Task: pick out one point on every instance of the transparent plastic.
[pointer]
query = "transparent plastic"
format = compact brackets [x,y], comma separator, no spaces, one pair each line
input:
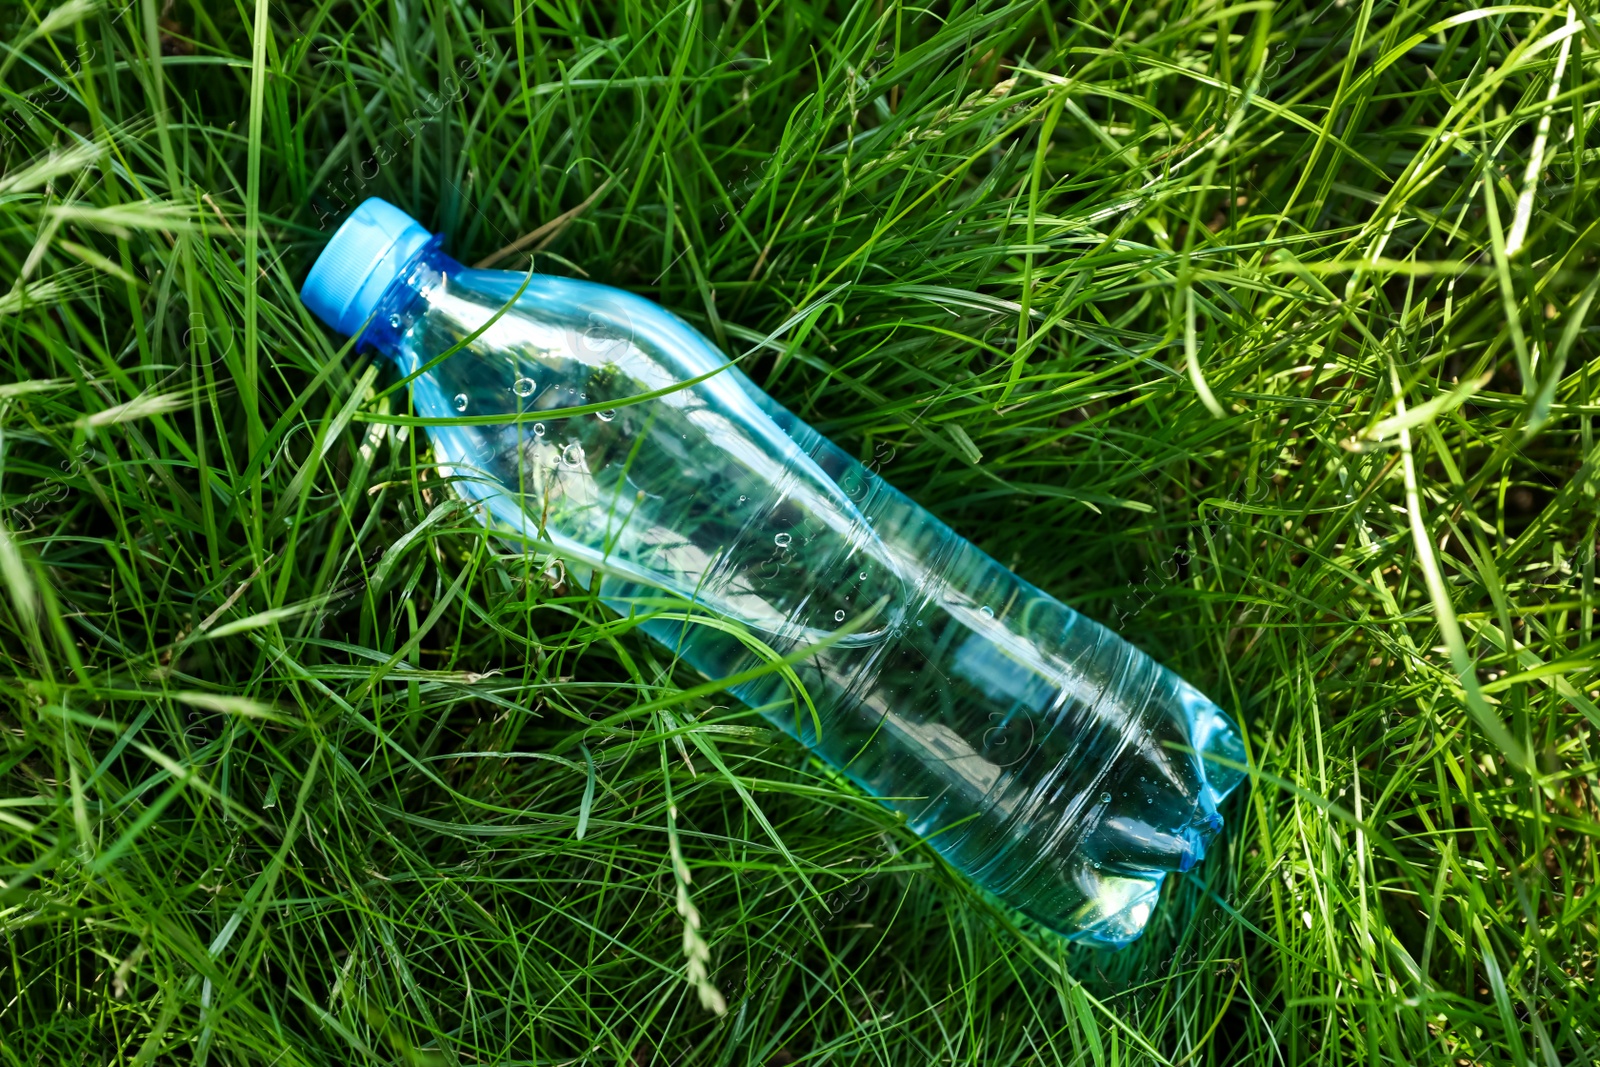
[1057,766]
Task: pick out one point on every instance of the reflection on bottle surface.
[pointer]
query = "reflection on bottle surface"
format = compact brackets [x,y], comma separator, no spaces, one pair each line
[1056,765]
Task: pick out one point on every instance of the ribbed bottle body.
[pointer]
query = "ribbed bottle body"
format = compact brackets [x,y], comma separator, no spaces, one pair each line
[1056,765]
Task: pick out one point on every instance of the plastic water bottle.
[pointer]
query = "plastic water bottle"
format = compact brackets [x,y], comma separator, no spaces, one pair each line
[1060,768]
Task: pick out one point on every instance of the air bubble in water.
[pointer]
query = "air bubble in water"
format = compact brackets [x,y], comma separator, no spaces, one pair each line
[986,611]
[1105,798]
[838,616]
[394,320]
[573,454]
[461,401]
[606,415]
[782,540]
[863,576]
[741,500]
[538,429]
[522,386]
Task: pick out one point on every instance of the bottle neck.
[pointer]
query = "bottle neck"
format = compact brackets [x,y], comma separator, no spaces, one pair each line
[408,296]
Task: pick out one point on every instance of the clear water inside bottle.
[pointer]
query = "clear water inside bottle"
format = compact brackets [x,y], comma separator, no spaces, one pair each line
[1056,765]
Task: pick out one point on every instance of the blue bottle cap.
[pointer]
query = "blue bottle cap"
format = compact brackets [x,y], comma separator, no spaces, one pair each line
[362,257]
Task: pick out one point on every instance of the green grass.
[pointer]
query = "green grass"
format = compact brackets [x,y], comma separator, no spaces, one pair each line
[1262,333]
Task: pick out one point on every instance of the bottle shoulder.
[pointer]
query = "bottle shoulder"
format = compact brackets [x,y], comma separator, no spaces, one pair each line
[564,294]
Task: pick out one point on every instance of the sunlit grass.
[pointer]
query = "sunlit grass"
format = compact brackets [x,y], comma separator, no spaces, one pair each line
[1260,333]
